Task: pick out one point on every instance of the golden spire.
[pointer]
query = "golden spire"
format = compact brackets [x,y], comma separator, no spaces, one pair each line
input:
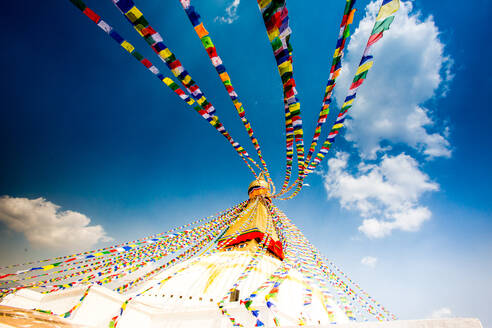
[259,187]
[253,223]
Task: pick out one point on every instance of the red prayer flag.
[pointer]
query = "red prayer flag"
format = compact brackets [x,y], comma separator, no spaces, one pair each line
[92,15]
[356,84]
[374,38]
[146,62]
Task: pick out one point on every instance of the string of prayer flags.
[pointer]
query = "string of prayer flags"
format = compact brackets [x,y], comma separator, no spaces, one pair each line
[199,103]
[76,306]
[383,21]
[362,291]
[289,149]
[343,35]
[276,19]
[156,42]
[217,62]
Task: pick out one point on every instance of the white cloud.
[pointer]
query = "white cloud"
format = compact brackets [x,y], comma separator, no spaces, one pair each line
[442,313]
[231,13]
[386,194]
[369,261]
[44,225]
[410,68]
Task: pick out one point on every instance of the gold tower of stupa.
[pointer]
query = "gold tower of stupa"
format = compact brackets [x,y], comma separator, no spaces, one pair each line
[249,230]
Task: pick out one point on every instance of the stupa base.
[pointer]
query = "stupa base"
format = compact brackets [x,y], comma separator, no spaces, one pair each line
[18,317]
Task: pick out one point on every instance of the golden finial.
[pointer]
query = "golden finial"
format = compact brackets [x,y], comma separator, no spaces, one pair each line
[259,187]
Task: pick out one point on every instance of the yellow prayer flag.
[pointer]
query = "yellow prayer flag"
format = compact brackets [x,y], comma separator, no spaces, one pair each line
[127,46]
[133,14]
[285,67]
[139,28]
[48,267]
[273,34]
[165,53]
[201,100]
[364,67]
[264,3]
[347,103]
[187,79]
[295,106]
[168,81]
[337,126]
[388,9]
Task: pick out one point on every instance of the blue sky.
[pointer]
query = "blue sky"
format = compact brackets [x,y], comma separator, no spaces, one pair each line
[85,127]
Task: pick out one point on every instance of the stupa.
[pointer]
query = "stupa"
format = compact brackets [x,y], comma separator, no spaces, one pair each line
[253,273]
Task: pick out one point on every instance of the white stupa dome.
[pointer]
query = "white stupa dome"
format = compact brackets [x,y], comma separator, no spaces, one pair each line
[201,283]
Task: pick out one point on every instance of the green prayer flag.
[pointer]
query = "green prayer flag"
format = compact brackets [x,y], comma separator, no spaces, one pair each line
[286,76]
[276,44]
[174,86]
[336,60]
[141,21]
[346,33]
[295,112]
[383,25]
[362,75]
[170,59]
[207,42]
